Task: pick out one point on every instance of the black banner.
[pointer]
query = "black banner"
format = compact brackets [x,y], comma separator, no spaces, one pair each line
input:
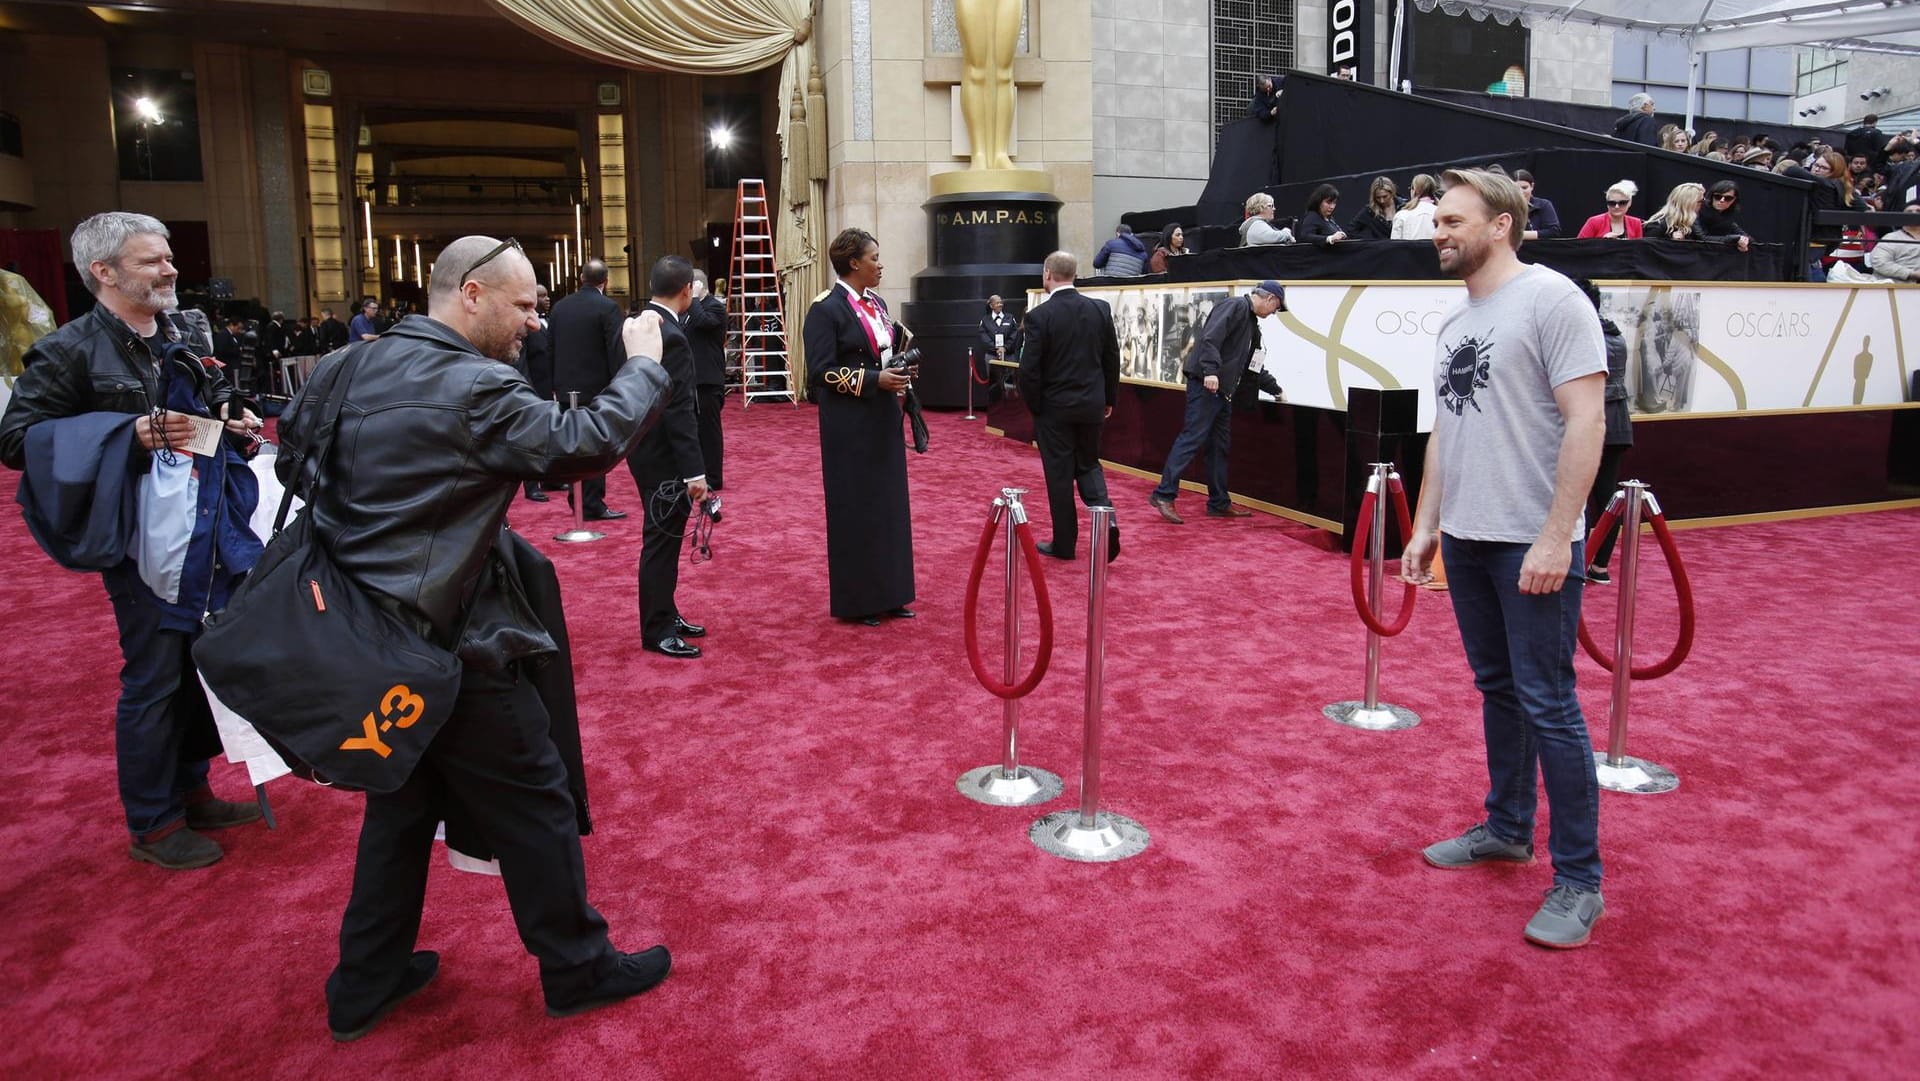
[1350,39]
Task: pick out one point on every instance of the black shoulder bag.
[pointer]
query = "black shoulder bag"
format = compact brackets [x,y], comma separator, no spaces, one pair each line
[347,692]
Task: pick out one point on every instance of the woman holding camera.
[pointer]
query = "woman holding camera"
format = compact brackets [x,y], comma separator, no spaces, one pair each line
[851,343]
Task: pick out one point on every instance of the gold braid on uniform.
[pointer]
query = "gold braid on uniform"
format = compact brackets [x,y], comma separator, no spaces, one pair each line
[846,380]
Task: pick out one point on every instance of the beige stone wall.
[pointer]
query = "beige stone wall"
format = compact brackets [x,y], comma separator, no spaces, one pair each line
[891,120]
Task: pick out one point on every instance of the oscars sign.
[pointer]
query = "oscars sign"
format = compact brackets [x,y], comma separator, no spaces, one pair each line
[1350,39]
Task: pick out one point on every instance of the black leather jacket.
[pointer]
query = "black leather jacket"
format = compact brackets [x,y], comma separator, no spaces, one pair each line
[434,441]
[97,364]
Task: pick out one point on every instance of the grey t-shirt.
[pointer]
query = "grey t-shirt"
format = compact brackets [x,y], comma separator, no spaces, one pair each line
[1500,357]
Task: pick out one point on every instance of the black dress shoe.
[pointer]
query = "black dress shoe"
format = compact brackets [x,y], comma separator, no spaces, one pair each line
[1113,541]
[1231,512]
[420,970]
[637,972]
[1045,548]
[688,630]
[673,646]
[605,514]
[535,495]
[902,612]
[219,814]
[868,621]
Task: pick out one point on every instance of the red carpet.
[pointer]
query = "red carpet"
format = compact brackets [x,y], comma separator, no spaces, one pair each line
[782,813]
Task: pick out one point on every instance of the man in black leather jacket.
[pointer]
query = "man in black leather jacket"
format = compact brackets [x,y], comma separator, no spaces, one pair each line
[134,354]
[437,433]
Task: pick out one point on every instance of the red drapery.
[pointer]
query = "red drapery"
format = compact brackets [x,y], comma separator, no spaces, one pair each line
[34,254]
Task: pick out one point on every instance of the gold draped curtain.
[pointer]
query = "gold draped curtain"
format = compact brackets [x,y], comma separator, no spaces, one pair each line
[724,37]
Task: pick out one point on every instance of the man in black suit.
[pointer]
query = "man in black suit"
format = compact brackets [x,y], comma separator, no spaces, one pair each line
[668,471]
[331,333]
[1070,378]
[1214,369]
[302,343]
[706,327]
[536,363]
[585,331]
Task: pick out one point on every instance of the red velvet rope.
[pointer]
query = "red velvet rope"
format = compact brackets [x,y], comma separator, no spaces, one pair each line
[1359,562]
[977,377]
[1681,586]
[1038,577]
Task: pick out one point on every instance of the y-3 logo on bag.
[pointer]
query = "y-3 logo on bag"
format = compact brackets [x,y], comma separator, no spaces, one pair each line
[399,708]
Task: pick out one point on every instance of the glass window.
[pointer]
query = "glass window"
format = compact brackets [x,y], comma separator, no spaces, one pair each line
[1457,53]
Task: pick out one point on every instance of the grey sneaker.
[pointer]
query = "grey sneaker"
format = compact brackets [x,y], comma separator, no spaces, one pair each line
[1475,846]
[1565,920]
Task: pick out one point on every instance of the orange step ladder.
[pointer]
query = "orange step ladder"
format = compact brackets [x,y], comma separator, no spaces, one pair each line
[756,325]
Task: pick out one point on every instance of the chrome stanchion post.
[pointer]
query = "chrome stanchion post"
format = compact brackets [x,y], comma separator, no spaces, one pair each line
[1088,834]
[579,534]
[1010,784]
[1371,714]
[1618,771]
[970,358]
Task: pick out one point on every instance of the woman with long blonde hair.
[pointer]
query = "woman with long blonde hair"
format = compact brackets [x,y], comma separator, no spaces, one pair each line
[1680,218]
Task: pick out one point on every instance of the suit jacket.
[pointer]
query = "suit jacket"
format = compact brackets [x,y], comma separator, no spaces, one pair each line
[706,327]
[332,334]
[536,361]
[1070,362]
[1004,325]
[1226,344]
[671,449]
[586,343]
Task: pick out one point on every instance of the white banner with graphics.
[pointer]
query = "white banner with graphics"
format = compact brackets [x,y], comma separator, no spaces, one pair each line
[1692,347]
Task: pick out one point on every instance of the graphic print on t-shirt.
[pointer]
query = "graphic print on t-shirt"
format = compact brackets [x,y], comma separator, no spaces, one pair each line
[1468,365]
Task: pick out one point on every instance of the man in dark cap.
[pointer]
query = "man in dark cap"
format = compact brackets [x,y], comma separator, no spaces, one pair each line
[1214,369]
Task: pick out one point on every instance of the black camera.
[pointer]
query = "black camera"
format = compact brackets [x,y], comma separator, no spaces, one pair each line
[908,359]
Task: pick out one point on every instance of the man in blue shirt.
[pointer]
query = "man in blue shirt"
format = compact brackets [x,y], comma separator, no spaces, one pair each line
[363,328]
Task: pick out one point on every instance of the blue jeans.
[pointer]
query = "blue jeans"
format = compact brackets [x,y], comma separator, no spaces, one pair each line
[1520,647]
[1209,423]
[149,731]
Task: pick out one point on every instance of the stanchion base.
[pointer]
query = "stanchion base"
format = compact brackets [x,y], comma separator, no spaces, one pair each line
[1630,774]
[1113,837]
[1381,718]
[1025,786]
[578,536]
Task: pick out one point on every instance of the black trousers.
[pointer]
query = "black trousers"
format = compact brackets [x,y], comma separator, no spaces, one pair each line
[1070,455]
[661,540]
[1605,481]
[712,399]
[495,758]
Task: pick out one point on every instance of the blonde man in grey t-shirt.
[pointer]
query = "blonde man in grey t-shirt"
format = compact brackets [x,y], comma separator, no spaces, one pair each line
[1521,381]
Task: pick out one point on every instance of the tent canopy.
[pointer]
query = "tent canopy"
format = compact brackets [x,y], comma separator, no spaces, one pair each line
[1713,25]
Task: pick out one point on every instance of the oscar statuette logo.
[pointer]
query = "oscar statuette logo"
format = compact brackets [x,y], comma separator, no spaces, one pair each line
[399,708]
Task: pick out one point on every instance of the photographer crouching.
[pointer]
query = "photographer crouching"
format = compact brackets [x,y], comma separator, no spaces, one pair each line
[436,434]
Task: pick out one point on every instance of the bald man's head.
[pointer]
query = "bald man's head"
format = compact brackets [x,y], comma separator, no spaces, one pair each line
[484,290]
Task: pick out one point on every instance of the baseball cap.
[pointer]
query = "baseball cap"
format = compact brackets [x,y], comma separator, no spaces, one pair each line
[1272,289]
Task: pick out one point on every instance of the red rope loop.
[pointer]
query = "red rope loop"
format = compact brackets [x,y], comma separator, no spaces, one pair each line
[975,371]
[1678,571]
[1359,562]
[1034,573]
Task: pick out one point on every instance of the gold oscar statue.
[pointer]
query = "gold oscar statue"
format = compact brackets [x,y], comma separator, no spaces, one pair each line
[989,30]
[989,34]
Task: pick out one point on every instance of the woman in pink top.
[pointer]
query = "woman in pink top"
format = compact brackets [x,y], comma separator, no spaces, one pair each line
[1616,222]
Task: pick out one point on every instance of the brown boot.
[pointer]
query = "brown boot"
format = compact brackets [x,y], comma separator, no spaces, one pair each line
[176,848]
[205,812]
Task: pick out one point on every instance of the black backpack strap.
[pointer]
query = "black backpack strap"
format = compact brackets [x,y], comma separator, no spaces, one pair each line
[308,462]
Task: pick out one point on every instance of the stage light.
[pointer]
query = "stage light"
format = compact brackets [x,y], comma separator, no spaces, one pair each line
[720,136]
[149,110]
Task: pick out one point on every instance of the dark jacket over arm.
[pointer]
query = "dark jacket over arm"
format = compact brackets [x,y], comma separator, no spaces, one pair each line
[1543,219]
[1226,344]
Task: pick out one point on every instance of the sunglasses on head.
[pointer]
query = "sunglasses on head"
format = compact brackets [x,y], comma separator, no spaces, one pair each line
[490,256]
[1617,202]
